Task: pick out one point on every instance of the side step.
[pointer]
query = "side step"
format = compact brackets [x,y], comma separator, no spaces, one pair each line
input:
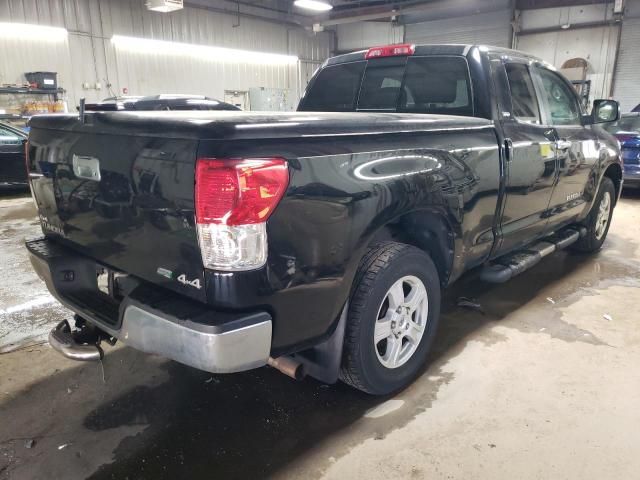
[507,267]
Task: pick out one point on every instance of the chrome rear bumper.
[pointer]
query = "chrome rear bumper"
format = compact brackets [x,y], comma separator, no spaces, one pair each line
[201,346]
[150,318]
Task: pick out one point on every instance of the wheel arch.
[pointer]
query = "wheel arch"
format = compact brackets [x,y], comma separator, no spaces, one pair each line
[430,231]
[614,172]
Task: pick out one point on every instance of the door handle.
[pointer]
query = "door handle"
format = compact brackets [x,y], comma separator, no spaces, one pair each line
[563,144]
[508,149]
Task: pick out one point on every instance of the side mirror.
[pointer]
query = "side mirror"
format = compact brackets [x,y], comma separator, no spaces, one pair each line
[605,111]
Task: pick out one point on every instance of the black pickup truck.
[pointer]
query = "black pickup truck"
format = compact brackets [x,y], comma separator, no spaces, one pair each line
[319,241]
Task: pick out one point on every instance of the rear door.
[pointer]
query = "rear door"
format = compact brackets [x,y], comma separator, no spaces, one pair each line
[576,145]
[12,167]
[531,162]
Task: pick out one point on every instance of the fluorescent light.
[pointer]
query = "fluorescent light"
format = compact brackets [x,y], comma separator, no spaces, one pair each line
[147,45]
[316,5]
[164,6]
[32,32]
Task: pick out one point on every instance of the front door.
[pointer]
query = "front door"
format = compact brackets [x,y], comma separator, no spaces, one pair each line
[576,145]
[12,164]
[531,165]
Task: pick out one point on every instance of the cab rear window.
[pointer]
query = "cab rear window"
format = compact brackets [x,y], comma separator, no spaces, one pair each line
[431,84]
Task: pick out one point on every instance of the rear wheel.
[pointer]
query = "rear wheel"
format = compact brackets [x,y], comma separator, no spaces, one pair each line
[393,316]
[599,219]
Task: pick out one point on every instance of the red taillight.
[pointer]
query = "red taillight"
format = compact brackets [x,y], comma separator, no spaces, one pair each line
[238,192]
[390,51]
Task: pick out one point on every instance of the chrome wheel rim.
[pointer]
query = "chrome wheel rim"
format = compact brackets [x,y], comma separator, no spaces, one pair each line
[401,321]
[602,219]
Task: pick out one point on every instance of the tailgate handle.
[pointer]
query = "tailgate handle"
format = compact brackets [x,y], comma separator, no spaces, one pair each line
[86,167]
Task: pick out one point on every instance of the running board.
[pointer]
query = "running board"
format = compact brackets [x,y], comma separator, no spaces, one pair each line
[507,267]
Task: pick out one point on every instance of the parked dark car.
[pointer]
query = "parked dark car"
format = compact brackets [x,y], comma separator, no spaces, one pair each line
[627,131]
[161,102]
[13,172]
[318,241]
[637,108]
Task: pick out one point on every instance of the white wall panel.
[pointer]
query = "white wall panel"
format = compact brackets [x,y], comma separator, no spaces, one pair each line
[18,56]
[555,17]
[597,45]
[361,35]
[88,56]
[491,28]
[166,73]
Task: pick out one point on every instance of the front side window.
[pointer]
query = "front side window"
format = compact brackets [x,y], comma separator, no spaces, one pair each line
[560,99]
[524,103]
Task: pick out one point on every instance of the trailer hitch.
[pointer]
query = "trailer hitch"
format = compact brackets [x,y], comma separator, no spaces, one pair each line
[81,343]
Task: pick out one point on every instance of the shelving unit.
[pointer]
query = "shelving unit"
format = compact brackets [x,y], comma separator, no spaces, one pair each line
[32,91]
[12,96]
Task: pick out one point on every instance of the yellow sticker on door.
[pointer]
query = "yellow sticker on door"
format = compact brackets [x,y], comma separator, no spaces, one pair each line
[545,150]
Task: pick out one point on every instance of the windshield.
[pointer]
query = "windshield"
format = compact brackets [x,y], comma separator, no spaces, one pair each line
[432,84]
[626,124]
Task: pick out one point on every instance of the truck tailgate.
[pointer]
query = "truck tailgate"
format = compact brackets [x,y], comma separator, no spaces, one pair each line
[124,200]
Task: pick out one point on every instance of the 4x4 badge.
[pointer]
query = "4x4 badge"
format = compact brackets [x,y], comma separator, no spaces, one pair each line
[191,283]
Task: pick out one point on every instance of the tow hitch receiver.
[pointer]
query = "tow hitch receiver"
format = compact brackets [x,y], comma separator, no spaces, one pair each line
[82,343]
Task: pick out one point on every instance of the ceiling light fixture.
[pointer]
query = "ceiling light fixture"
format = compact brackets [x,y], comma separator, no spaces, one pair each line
[32,32]
[315,5]
[162,47]
[164,6]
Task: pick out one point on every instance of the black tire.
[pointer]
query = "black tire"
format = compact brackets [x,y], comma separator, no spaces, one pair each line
[590,242]
[382,266]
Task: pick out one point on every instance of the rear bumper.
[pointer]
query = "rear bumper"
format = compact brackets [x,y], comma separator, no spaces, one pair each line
[152,319]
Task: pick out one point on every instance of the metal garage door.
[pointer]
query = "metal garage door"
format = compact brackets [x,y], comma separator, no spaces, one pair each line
[627,86]
[491,28]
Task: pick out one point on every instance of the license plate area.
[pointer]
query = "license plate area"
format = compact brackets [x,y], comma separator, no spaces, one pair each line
[113,283]
[105,280]
[86,167]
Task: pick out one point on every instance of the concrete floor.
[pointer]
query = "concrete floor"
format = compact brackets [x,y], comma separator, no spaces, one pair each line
[544,383]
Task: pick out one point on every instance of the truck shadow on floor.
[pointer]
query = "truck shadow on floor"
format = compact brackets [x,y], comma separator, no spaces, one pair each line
[248,425]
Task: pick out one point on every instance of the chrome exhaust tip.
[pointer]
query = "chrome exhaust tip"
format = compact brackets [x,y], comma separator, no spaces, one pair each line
[287,365]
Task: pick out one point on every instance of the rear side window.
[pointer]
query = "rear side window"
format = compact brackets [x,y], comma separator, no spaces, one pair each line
[335,89]
[523,96]
[436,84]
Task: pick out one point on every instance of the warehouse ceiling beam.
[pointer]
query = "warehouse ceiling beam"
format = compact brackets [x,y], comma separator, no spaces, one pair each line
[436,7]
[563,28]
[244,9]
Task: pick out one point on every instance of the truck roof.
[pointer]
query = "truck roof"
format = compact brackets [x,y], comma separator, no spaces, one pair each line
[437,49]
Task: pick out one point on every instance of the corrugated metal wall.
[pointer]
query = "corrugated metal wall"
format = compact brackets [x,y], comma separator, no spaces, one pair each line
[597,45]
[88,55]
[627,75]
[492,28]
[361,35]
